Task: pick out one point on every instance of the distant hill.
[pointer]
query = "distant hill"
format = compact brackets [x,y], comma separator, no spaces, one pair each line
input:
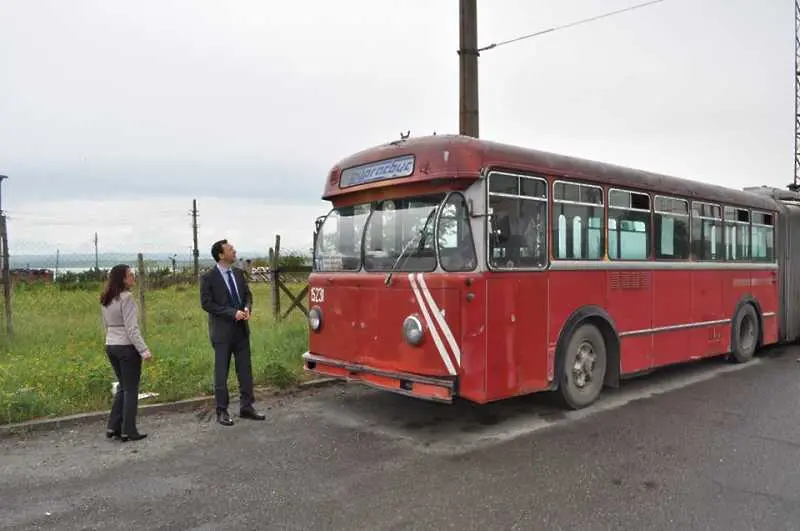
[105,260]
[108,260]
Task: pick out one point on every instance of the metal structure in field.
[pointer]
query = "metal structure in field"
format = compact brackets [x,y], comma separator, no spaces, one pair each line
[795,185]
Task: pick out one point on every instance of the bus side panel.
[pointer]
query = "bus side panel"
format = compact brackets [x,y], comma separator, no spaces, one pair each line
[672,292]
[737,286]
[629,304]
[472,381]
[516,361]
[764,287]
[381,323]
[707,306]
[339,339]
[569,291]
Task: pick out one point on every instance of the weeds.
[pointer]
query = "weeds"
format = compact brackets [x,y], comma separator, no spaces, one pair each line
[56,363]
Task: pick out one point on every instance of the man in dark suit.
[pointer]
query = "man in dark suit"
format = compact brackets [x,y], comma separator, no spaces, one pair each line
[226,297]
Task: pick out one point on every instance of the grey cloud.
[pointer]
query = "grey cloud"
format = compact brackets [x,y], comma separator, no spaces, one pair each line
[259,99]
[270,182]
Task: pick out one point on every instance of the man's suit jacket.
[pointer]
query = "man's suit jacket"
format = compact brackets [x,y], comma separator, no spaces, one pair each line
[216,300]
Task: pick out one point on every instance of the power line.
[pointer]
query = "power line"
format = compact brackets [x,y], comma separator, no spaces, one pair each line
[570,25]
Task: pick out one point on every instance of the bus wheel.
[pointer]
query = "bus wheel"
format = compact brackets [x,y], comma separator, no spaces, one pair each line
[745,334]
[584,367]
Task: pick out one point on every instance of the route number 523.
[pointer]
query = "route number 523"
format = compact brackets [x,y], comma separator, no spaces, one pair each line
[317,295]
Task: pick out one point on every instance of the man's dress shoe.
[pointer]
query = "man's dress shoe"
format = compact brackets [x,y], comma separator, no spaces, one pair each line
[224,419]
[251,414]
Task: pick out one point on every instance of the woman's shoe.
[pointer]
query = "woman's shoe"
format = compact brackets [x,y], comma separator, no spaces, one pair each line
[136,437]
[112,433]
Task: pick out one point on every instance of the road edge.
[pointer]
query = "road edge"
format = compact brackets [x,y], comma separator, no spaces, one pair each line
[8,430]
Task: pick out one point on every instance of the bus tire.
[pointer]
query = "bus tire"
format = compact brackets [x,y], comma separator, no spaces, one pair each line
[745,334]
[584,367]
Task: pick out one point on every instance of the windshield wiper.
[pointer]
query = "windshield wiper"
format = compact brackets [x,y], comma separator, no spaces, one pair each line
[414,239]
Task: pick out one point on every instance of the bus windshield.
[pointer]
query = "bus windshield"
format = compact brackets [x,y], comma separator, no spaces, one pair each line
[398,235]
[338,244]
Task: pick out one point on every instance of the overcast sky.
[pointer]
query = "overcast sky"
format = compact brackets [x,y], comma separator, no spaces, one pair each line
[115,115]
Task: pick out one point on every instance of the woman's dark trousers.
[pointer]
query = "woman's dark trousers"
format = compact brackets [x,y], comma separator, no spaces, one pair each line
[127,364]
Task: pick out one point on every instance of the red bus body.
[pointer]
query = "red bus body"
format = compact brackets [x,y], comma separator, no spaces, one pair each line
[493,333]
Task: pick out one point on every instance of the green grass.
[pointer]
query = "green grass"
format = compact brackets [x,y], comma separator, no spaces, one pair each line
[56,363]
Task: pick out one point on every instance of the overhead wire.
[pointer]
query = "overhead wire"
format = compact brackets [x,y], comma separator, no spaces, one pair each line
[570,25]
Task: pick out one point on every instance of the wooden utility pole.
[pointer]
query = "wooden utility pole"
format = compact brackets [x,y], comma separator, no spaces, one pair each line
[275,260]
[6,274]
[468,68]
[142,284]
[195,251]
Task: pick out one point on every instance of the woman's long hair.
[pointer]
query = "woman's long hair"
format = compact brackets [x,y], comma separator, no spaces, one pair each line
[115,284]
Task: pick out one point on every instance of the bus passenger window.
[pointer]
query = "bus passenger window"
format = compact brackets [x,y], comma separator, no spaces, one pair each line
[562,236]
[671,223]
[578,230]
[518,223]
[763,236]
[667,237]
[706,231]
[629,226]
[737,234]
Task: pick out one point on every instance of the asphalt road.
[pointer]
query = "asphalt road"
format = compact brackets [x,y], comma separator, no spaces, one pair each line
[706,446]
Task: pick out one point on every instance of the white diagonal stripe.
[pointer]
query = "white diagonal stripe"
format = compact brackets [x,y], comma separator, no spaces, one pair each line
[436,339]
[437,314]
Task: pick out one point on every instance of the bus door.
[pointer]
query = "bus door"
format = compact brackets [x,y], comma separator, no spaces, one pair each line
[517,285]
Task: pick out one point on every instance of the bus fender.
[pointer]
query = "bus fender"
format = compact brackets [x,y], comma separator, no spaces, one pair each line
[600,318]
[749,299]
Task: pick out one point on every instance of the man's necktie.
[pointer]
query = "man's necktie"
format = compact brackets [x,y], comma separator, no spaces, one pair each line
[234,295]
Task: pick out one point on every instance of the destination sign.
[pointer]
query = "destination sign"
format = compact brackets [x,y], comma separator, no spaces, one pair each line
[378,171]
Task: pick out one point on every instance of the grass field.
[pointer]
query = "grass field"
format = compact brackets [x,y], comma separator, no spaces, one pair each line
[56,363]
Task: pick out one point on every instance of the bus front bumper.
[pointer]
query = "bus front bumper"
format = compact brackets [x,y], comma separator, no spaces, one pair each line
[414,385]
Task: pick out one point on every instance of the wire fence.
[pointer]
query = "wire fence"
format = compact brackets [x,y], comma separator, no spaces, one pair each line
[53,361]
[159,271]
[81,265]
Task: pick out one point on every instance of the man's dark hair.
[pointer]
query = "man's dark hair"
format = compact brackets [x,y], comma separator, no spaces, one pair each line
[216,249]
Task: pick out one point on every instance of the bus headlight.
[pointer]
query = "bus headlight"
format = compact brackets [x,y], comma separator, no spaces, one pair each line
[315,318]
[412,330]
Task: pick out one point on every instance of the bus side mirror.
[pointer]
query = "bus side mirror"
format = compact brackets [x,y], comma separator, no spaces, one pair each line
[471,211]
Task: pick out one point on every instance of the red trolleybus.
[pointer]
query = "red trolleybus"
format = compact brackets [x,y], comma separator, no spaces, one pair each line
[451,266]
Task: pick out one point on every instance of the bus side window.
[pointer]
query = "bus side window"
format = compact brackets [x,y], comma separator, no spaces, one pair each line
[707,231]
[737,234]
[578,229]
[518,238]
[763,237]
[671,223]
[629,225]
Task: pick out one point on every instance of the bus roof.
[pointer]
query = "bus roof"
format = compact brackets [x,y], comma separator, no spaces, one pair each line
[455,157]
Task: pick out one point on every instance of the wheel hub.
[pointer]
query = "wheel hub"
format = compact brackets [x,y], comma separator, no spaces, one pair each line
[583,365]
[747,333]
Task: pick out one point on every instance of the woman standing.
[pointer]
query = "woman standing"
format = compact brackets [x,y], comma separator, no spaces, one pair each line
[125,349]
